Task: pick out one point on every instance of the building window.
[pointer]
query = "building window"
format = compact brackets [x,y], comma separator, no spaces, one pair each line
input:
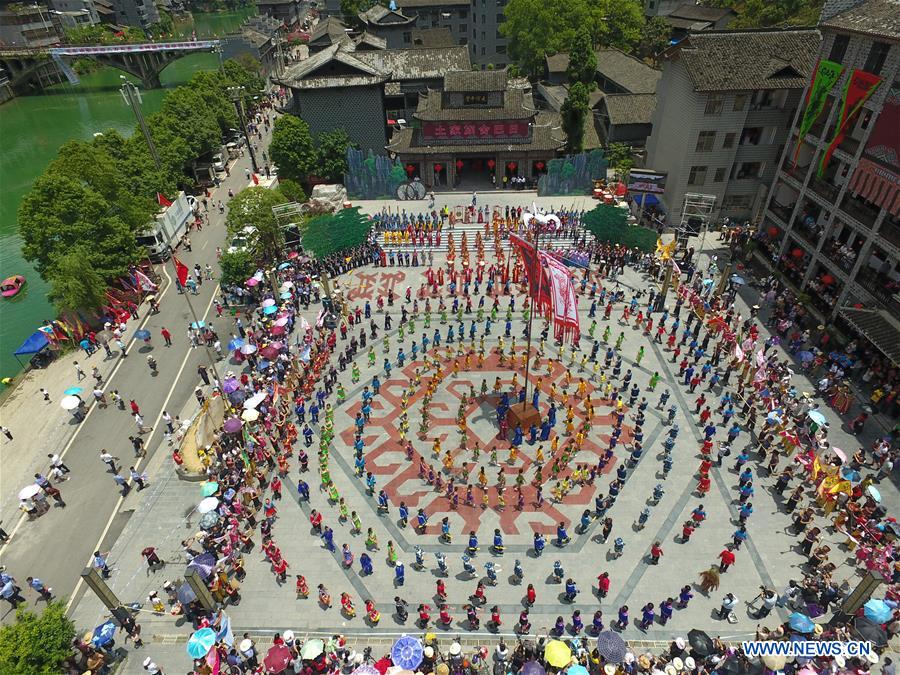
[749,170]
[474,18]
[740,102]
[714,105]
[877,54]
[464,14]
[407,37]
[697,175]
[482,51]
[501,49]
[729,140]
[720,175]
[463,41]
[499,34]
[705,141]
[839,48]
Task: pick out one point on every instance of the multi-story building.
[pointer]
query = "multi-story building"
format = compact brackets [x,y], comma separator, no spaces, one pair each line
[27,26]
[137,13]
[725,102]
[832,224]
[75,13]
[292,13]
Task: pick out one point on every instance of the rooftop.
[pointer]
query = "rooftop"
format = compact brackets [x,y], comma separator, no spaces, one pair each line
[330,27]
[255,37]
[882,329]
[367,40]
[517,104]
[615,65]
[630,108]
[694,12]
[740,60]
[475,80]
[880,18]
[381,15]
[414,64]
[414,4]
[432,37]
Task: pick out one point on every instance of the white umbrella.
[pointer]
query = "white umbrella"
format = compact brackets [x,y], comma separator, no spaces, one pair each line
[250,415]
[70,402]
[281,321]
[255,400]
[248,349]
[207,505]
[268,302]
[29,491]
[286,285]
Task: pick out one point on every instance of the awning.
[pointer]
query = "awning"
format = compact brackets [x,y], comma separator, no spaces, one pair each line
[652,199]
[35,343]
[877,326]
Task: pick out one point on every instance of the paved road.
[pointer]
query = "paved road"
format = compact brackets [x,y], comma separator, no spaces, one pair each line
[57,546]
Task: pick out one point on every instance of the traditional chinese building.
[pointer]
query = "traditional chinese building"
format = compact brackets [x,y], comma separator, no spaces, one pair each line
[480,125]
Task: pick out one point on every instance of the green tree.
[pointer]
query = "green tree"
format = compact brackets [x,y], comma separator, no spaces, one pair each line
[574,112]
[331,151]
[610,223]
[243,71]
[291,190]
[292,148]
[536,28]
[619,157]
[582,60]
[60,213]
[236,267]
[253,206]
[350,9]
[654,39]
[36,643]
[336,232]
[74,283]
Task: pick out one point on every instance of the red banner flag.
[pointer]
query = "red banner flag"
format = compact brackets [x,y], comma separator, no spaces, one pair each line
[181,271]
[160,197]
[255,179]
[860,86]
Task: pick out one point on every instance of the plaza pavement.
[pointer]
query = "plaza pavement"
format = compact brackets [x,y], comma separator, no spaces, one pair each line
[163,517]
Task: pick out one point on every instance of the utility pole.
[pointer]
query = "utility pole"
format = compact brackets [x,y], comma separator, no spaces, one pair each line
[133,98]
[237,94]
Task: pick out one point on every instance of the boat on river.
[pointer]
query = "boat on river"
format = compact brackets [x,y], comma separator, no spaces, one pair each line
[11,286]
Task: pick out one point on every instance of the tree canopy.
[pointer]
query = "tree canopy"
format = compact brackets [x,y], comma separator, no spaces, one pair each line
[327,234]
[36,643]
[236,267]
[582,60]
[536,28]
[253,206]
[765,13]
[610,223]
[331,154]
[292,148]
[575,111]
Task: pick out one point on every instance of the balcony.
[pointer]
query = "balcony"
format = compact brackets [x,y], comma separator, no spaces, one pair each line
[781,212]
[881,290]
[849,145]
[890,231]
[862,212]
[825,190]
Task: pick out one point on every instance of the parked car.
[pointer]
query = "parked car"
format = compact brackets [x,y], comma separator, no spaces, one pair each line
[218,162]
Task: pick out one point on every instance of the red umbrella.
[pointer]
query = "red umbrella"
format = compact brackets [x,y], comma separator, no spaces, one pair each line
[277,659]
[277,330]
[293,254]
[381,665]
[268,352]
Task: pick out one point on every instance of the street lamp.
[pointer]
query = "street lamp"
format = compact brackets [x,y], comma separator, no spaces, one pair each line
[237,95]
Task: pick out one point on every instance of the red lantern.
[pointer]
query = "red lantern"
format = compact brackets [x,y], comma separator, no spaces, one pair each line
[539,166]
[797,253]
[512,166]
[459,165]
[827,279]
[773,232]
[409,169]
[438,167]
[491,164]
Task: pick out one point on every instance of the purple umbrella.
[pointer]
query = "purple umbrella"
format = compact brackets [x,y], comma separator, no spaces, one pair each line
[230,385]
[232,425]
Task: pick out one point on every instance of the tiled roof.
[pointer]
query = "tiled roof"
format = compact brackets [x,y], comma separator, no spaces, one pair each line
[516,105]
[738,60]
[415,4]
[377,13]
[255,37]
[475,80]
[880,18]
[330,27]
[432,37]
[700,13]
[547,134]
[370,40]
[415,64]
[615,65]
[687,24]
[879,327]
[630,108]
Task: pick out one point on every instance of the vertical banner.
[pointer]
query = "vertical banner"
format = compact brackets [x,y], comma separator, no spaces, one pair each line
[860,86]
[823,79]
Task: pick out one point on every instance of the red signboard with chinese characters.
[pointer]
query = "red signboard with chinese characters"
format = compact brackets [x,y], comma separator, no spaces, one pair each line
[497,131]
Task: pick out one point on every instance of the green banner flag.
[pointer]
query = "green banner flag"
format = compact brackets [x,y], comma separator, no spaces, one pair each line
[824,78]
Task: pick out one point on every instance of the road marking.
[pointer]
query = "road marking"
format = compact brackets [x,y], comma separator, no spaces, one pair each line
[118,505]
[94,405]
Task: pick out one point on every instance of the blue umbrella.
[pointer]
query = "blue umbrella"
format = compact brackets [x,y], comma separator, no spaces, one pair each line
[71,391]
[271,309]
[850,474]
[738,281]
[285,296]
[284,266]
[801,622]
[407,652]
[817,417]
[142,334]
[611,646]
[196,325]
[877,611]
[201,642]
[535,668]
[805,356]
[577,669]
[237,343]
[262,365]
[103,634]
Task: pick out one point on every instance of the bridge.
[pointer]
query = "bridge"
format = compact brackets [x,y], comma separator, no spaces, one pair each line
[144,60]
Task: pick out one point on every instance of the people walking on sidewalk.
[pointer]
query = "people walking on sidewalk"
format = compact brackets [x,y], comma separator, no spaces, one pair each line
[109,460]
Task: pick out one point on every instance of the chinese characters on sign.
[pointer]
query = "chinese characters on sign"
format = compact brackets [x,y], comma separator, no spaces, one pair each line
[501,130]
[475,99]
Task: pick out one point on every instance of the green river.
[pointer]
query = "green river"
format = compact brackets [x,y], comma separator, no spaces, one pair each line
[32,128]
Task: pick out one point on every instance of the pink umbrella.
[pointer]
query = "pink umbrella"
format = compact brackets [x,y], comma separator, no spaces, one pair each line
[840,453]
[293,254]
[268,302]
[277,659]
[268,352]
[278,344]
[277,330]
[282,321]
[252,281]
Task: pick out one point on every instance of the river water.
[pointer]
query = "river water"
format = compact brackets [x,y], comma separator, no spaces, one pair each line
[32,128]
